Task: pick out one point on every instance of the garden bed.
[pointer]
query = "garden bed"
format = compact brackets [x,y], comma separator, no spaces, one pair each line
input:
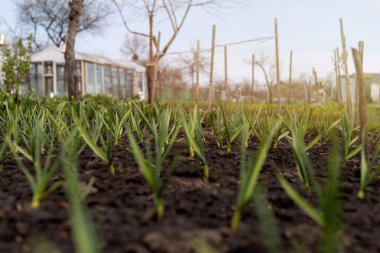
[123,213]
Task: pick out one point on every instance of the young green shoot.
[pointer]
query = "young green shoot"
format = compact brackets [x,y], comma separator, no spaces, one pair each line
[150,166]
[135,123]
[104,152]
[367,174]
[249,173]
[349,138]
[311,211]
[254,123]
[329,216]
[269,229]
[298,128]
[83,232]
[163,119]
[115,124]
[214,119]
[44,170]
[232,129]
[7,133]
[194,134]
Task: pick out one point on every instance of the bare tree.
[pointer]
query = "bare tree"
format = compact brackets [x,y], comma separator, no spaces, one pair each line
[155,11]
[14,32]
[62,21]
[188,63]
[52,17]
[268,68]
[134,48]
[76,7]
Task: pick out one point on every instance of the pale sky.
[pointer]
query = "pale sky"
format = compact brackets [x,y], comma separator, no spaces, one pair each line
[308,27]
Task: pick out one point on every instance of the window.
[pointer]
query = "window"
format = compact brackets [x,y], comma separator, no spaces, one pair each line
[61,80]
[48,68]
[140,81]
[79,75]
[130,84]
[32,76]
[79,67]
[107,80]
[49,86]
[32,69]
[91,89]
[38,79]
[35,78]
[99,78]
[115,82]
[122,83]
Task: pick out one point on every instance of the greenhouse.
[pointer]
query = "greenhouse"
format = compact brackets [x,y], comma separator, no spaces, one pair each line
[95,75]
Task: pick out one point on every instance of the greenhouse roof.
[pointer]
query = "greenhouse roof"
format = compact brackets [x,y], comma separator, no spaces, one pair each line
[57,55]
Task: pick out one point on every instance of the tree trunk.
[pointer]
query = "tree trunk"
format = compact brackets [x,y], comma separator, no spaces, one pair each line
[74,17]
[150,74]
[270,94]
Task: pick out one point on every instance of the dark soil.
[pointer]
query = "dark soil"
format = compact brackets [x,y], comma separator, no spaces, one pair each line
[122,209]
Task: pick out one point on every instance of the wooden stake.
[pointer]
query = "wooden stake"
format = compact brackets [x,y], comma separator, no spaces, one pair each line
[290,74]
[209,104]
[345,65]
[361,53]
[225,71]
[277,62]
[197,71]
[253,77]
[337,75]
[362,110]
[307,92]
[156,61]
[315,75]
[357,95]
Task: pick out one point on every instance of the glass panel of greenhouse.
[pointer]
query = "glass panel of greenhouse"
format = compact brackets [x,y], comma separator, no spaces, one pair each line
[123,84]
[130,83]
[99,78]
[115,82]
[94,75]
[61,81]
[35,78]
[107,80]
[91,89]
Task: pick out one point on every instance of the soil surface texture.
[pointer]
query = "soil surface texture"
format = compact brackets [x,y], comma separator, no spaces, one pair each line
[122,209]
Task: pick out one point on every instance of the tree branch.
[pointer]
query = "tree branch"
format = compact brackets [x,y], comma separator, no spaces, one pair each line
[171,40]
[125,22]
